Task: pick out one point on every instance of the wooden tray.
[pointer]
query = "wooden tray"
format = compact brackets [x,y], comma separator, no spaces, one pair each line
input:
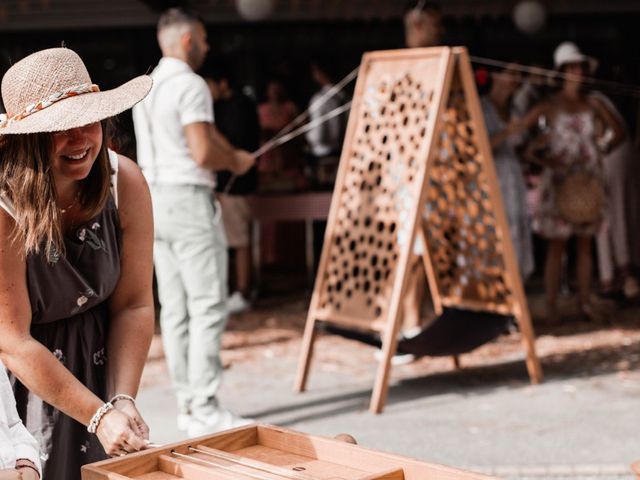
[265,452]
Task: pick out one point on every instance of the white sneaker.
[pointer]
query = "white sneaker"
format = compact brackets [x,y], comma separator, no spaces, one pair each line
[183,421]
[220,420]
[397,359]
[236,303]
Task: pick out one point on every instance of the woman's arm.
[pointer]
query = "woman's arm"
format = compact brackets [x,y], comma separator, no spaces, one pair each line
[131,305]
[530,120]
[35,366]
[610,122]
[512,129]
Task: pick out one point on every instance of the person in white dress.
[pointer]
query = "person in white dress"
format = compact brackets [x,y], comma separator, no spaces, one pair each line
[19,454]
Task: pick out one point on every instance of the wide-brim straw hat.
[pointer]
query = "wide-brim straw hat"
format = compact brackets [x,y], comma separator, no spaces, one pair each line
[51,91]
[568,52]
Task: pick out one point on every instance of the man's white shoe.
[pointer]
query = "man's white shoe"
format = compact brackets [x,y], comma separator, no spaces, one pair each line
[183,421]
[220,420]
[236,303]
[397,358]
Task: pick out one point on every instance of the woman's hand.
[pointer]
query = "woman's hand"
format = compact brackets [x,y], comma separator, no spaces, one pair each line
[27,469]
[26,474]
[11,474]
[129,408]
[243,161]
[118,435]
[538,152]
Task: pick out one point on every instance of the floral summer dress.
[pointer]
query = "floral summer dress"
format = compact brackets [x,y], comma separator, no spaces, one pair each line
[69,302]
[572,141]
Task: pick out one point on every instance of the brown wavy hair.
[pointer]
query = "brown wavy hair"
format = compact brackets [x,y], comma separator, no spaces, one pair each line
[27,181]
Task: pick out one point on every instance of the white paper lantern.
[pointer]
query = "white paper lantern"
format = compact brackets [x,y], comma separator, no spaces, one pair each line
[254,9]
[529,16]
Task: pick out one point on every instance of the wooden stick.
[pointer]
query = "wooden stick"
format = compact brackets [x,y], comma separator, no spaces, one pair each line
[252,464]
[430,272]
[189,458]
[306,349]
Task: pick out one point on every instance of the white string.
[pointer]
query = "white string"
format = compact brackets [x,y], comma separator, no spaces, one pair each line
[300,118]
[622,88]
[285,134]
[319,102]
[305,128]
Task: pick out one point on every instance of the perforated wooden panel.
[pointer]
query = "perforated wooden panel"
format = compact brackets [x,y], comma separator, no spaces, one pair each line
[380,181]
[416,151]
[464,237]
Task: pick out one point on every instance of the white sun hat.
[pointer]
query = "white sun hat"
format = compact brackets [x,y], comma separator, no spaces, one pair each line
[568,52]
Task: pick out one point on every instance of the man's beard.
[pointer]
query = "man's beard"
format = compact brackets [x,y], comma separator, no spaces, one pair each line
[196,58]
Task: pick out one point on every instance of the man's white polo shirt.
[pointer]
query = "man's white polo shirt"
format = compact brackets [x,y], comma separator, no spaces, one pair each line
[178,97]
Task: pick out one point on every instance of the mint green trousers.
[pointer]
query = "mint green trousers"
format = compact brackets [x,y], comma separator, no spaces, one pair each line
[190,257]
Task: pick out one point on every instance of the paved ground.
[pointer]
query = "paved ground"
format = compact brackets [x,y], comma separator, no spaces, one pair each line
[582,422]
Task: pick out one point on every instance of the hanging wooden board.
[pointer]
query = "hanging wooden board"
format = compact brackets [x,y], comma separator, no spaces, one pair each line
[416,163]
[265,452]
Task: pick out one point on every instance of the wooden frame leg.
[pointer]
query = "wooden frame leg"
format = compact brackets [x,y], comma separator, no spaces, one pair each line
[308,250]
[381,385]
[528,342]
[306,353]
[255,252]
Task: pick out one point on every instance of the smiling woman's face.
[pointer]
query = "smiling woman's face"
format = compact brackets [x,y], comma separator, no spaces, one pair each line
[74,151]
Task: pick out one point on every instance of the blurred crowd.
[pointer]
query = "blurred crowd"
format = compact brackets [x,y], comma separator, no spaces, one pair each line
[80,234]
[564,160]
[563,154]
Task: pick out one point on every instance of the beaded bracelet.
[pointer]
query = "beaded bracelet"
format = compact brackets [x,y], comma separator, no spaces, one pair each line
[95,420]
[122,396]
[26,463]
[29,466]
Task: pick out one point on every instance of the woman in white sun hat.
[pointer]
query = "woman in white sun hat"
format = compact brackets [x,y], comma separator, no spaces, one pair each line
[76,308]
[572,196]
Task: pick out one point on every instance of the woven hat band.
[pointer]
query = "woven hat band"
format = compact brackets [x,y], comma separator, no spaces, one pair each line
[32,108]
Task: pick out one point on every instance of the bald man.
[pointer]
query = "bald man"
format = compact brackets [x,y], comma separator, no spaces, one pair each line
[179,149]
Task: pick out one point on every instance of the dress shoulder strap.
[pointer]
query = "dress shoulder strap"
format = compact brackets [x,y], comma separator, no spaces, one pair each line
[7,205]
[113,160]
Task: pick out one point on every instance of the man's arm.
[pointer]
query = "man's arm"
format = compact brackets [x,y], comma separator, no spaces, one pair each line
[211,150]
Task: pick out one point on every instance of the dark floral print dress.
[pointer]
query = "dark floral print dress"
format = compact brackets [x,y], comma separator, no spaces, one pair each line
[70,316]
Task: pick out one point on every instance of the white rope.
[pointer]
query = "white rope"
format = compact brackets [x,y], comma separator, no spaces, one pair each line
[621,88]
[319,102]
[273,143]
[285,134]
[299,131]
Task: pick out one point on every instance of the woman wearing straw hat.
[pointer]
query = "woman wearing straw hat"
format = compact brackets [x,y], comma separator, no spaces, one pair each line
[76,308]
[572,196]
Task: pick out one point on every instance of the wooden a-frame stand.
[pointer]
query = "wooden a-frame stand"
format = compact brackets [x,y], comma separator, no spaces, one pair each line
[416,163]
